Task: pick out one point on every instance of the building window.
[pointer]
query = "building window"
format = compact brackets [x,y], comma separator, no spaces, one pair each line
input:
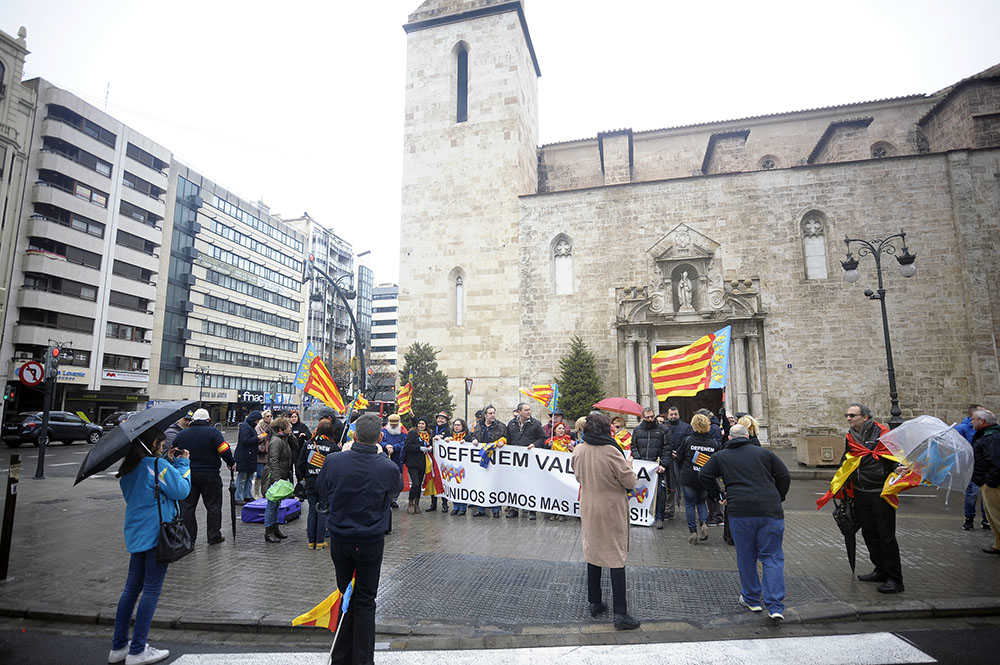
[768,162]
[562,264]
[456,296]
[882,149]
[814,244]
[462,63]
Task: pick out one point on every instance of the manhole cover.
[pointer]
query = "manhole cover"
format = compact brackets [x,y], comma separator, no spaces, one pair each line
[469,589]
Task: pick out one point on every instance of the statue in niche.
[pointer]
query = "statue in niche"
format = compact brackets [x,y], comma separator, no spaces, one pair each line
[684,291]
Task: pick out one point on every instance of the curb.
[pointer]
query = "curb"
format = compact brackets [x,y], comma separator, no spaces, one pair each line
[487,635]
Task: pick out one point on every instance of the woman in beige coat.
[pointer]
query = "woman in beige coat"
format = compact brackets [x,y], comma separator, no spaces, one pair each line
[604,476]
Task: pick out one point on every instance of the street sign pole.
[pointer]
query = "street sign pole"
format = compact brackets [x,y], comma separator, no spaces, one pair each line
[43,434]
[10,501]
[468,389]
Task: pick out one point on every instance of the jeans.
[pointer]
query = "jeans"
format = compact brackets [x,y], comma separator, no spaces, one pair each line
[244,486]
[271,513]
[878,528]
[759,539]
[971,496]
[459,508]
[694,500]
[363,561]
[207,486]
[145,574]
[315,521]
[260,469]
[617,587]
[416,482]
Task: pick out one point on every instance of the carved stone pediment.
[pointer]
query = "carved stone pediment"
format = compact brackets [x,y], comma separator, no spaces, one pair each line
[682,242]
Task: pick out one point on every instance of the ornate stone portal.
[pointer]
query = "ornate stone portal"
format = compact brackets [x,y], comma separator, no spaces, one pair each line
[688,298]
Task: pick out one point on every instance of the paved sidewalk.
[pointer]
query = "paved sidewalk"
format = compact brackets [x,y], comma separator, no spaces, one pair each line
[447,575]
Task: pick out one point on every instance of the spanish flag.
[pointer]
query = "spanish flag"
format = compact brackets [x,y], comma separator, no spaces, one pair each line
[328,613]
[320,385]
[690,369]
[404,398]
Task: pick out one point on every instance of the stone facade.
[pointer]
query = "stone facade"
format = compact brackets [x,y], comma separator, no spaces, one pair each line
[623,216]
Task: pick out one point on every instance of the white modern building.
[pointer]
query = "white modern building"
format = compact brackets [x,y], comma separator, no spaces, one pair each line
[384,352]
[85,265]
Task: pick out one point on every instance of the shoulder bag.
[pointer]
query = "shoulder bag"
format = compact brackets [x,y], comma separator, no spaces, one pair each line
[174,542]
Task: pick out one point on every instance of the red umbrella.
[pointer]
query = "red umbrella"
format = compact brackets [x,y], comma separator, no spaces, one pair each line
[620,405]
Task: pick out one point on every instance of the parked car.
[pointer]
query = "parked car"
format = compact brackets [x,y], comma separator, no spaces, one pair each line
[115,419]
[63,426]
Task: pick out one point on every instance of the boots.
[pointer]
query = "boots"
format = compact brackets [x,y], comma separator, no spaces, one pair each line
[444,505]
[434,504]
[278,533]
[416,506]
[269,536]
[256,487]
[409,507]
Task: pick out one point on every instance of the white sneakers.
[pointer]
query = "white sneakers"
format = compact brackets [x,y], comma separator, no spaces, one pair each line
[150,655]
[753,607]
[776,617]
[118,655]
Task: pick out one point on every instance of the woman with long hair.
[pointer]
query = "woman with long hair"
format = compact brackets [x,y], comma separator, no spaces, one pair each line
[459,434]
[693,454]
[279,467]
[753,427]
[418,444]
[605,477]
[308,466]
[298,439]
[145,477]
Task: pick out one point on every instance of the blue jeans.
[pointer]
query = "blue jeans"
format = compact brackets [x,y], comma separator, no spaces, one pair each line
[260,469]
[271,513]
[971,496]
[759,539]
[694,500]
[315,522]
[145,574]
[459,508]
[244,485]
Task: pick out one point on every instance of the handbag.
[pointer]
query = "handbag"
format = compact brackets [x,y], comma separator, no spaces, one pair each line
[174,542]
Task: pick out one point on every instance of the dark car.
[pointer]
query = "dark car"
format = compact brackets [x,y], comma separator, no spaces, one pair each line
[63,426]
[115,419]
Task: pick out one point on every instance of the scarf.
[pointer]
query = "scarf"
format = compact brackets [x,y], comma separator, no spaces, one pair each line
[458,436]
[425,436]
[852,460]
[560,443]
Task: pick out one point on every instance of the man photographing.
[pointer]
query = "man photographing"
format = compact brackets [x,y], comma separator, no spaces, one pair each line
[359,485]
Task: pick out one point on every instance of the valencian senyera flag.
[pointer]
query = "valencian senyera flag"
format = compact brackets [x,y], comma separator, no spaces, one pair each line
[360,403]
[404,398]
[690,369]
[317,380]
[329,612]
[546,393]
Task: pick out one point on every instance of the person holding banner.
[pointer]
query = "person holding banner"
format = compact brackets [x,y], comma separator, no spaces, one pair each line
[488,430]
[459,433]
[604,476]
[418,444]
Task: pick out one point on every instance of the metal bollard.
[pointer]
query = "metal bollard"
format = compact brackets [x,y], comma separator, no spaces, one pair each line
[10,501]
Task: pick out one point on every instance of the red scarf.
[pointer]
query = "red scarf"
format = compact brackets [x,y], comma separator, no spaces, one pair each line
[458,436]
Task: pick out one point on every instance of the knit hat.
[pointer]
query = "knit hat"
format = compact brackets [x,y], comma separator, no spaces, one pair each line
[394,419]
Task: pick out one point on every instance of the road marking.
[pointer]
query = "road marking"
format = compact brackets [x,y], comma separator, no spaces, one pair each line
[865,649]
[64,464]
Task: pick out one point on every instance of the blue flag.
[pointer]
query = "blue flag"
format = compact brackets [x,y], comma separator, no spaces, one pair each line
[302,375]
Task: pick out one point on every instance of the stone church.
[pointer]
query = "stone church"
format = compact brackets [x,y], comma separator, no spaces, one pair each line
[508,248]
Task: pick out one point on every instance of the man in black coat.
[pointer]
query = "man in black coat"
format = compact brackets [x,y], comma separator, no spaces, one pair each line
[986,473]
[648,443]
[359,485]
[677,431]
[488,430]
[525,431]
[208,450]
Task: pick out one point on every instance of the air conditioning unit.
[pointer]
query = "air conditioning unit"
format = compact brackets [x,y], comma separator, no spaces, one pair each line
[188,307]
[194,201]
[186,334]
[194,228]
[23,356]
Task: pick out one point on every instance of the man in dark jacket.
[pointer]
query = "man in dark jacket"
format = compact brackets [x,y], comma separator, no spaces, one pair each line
[756,483]
[648,444]
[677,432]
[525,431]
[488,430]
[359,485]
[877,517]
[208,450]
[246,457]
[986,473]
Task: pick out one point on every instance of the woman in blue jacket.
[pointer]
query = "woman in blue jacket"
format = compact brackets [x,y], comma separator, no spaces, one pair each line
[141,469]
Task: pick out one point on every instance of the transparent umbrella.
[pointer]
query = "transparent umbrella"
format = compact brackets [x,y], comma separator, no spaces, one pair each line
[934,450]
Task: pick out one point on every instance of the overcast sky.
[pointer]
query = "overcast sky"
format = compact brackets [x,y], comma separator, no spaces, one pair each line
[300,103]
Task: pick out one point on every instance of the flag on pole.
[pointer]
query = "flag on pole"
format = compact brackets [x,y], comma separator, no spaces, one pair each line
[545,393]
[329,612]
[302,375]
[321,385]
[404,397]
[360,403]
[689,370]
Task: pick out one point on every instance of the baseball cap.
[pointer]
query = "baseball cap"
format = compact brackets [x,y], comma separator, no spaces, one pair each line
[201,414]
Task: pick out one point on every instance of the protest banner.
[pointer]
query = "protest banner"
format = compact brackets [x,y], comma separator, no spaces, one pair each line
[536,479]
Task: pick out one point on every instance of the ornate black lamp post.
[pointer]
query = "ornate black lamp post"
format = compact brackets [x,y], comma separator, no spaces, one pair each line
[876,248]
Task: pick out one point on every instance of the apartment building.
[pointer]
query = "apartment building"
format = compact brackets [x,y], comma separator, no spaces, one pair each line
[384,353]
[85,262]
[232,310]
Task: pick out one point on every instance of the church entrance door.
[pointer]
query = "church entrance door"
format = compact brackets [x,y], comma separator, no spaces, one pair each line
[710,399]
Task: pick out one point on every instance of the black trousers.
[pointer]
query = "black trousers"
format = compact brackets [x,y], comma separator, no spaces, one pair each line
[617,587]
[355,644]
[416,482]
[878,528]
[207,486]
[663,492]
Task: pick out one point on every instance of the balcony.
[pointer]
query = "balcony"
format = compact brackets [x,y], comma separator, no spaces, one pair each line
[130,317]
[153,234]
[57,266]
[133,288]
[62,198]
[67,132]
[40,335]
[137,258]
[62,163]
[157,178]
[126,347]
[56,303]
[42,227]
[137,198]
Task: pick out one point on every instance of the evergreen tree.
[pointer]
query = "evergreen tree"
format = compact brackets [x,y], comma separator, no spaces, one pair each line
[430,385]
[579,385]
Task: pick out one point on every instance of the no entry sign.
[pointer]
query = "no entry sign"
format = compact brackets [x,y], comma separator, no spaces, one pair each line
[31,373]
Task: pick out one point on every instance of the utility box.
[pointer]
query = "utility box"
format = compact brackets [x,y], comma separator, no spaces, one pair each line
[820,447]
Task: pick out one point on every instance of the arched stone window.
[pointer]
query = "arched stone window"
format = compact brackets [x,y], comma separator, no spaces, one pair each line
[813,228]
[562,264]
[462,81]
[456,295]
[768,162]
[882,149]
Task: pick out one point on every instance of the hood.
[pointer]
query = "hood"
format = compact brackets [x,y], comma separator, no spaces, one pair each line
[253,418]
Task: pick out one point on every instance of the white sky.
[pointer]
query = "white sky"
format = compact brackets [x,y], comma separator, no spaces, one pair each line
[300,103]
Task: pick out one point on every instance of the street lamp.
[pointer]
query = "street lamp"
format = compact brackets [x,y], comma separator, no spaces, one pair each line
[876,248]
[344,297]
[201,372]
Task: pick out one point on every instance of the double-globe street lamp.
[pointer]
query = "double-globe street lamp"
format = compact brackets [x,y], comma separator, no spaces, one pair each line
[351,294]
[876,248]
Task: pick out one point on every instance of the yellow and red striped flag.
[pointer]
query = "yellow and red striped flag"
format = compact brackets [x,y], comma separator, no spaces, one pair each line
[690,369]
[404,399]
[541,392]
[329,612]
[322,386]
[360,403]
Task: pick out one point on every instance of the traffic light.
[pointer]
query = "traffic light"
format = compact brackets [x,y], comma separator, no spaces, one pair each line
[10,393]
[52,362]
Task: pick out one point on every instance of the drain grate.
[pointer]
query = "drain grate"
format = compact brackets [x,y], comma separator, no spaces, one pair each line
[468,589]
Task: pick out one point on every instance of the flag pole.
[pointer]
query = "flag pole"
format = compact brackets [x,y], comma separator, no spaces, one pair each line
[340,622]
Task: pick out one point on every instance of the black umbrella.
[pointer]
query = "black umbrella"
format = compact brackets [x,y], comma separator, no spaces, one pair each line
[843,515]
[232,503]
[115,444]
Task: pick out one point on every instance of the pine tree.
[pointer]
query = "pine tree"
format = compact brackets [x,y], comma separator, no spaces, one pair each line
[430,385]
[579,385]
